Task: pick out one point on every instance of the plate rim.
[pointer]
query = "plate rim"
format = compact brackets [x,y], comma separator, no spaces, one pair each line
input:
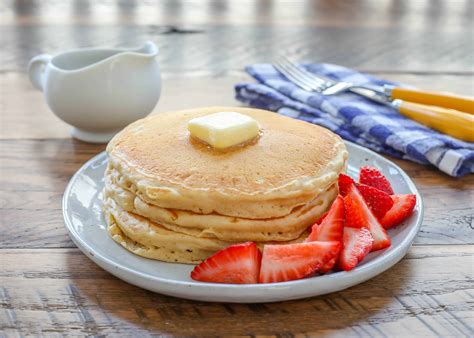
[357,273]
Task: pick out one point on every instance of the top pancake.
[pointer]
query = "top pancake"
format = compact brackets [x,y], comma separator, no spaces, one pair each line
[291,159]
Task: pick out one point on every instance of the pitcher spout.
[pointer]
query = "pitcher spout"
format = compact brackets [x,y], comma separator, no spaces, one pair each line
[149,49]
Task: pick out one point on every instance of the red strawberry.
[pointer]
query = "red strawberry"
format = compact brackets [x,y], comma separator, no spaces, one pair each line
[403,206]
[236,264]
[354,217]
[374,178]
[377,200]
[330,228]
[357,243]
[358,215]
[344,182]
[321,219]
[287,262]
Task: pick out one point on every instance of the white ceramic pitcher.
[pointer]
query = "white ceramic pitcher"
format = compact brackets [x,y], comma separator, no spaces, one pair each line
[99,91]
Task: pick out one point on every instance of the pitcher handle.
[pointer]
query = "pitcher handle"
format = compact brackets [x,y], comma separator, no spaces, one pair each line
[36,69]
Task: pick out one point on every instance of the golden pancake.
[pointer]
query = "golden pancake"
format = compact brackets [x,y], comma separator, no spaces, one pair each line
[290,164]
[148,239]
[144,231]
[223,227]
[153,252]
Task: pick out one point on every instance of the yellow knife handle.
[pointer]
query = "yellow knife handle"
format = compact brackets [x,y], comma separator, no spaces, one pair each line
[439,99]
[448,121]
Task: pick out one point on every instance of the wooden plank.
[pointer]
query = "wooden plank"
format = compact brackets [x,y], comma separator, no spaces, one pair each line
[223,48]
[30,195]
[374,13]
[370,35]
[60,291]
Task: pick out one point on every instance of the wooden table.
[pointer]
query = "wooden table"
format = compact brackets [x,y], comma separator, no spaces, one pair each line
[48,287]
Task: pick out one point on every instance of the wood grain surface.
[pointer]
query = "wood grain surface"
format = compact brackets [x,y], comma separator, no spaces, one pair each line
[418,36]
[49,288]
[60,291]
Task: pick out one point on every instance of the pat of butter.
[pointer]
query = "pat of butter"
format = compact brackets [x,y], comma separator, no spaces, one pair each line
[224,129]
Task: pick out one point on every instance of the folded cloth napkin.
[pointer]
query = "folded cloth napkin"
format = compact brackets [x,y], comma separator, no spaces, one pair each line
[354,118]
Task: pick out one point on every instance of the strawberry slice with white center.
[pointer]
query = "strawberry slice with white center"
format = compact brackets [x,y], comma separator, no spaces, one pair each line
[236,264]
[359,215]
[402,208]
[332,225]
[357,243]
[378,201]
[374,178]
[287,262]
[330,228]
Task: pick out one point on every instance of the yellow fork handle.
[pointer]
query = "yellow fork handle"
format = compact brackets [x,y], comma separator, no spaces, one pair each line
[448,121]
[439,99]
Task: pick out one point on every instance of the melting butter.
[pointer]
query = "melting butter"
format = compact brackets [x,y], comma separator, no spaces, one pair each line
[224,129]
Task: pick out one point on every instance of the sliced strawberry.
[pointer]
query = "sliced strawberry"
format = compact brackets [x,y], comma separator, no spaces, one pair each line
[357,243]
[236,264]
[374,178]
[378,201]
[286,262]
[331,227]
[403,206]
[344,182]
[359,215]
[321,219]
[354,217]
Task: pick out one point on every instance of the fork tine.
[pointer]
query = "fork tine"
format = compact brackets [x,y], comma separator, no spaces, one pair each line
[317,85]
[303,73]
[297,77]
[326,82]
[293,77]
[290,75]
[296,74]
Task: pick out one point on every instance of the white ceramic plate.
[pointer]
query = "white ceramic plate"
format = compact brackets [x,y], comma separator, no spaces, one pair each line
[87,228]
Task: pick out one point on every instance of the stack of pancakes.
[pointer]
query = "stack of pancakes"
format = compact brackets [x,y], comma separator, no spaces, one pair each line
[173,198]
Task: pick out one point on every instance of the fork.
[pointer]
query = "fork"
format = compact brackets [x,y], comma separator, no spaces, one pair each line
[327,86]
[448,121]
[318,83]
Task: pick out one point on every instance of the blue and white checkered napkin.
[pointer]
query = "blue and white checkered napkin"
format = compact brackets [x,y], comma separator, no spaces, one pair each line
[355,118]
